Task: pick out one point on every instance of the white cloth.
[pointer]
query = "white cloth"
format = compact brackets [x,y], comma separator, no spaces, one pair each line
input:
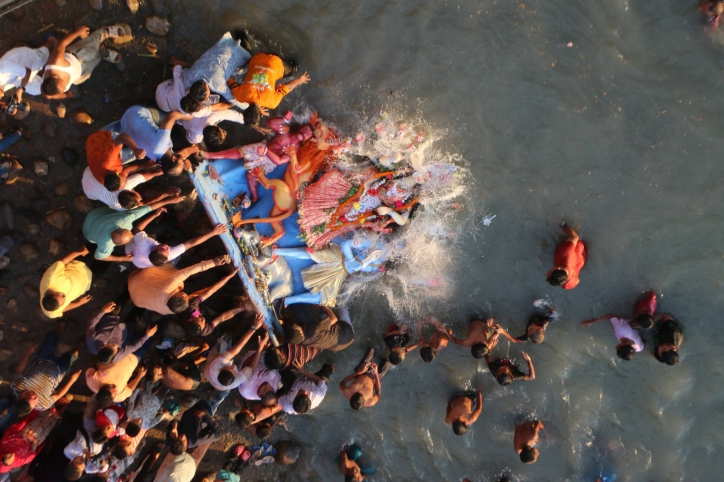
[224,360]
[259,376]
[170,92]
[195,127]
[138,123]
[622,329]
[76,447]
[14,63]
[97,191]
[141,245]
[74,71]
[181,469]
[316,392]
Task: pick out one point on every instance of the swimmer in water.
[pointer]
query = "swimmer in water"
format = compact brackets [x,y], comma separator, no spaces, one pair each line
[568,261]
[667,340]
[536,327]
[438,341]
[524,440]
[349,468]
[460,413]
[629,341]
[505,372]
[482,337]
[365,388]
[713,11]
[397,340]
[645,309]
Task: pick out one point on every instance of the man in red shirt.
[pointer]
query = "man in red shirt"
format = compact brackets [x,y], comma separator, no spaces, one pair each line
[568,261]
[104,158]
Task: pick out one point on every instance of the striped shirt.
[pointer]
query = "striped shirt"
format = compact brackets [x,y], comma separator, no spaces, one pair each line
[97,191]
[293,352]
[43,377]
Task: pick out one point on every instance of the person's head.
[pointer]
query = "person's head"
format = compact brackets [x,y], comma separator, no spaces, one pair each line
[293,333]
[105,396]
[154,373]
[459,427]
[625,351]
[106,353]
[196,326]
[178,303]
[53,300]
[226,377]
[179,445]
[306,132]
[133,429]
[114,181]
[357,401]
[190,105]
[717,7]
[558,277]
[274,358]
[8,458]
[244,418]
[528,455]
[536,334]
[199,91]
[159,254]
[214,136]
[252,115]
[302,403]
[645,321]
[503,376]
[267,395]
[52,85]
[121,237]
[428,354]
[263,430]
[129,199]
[74,470]
[397,355]
[120,451]
[172,164]
[670,357]
[479,350]
[101,435]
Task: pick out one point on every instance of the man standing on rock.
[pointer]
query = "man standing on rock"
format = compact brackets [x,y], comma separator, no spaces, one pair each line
[63,285]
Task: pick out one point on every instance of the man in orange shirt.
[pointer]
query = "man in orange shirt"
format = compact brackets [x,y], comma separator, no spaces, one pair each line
[260,89]
[104,158]
[568,261]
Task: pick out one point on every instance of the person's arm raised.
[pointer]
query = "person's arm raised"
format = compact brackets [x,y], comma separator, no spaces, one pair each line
[73,255]
[476,413]
[572,235]
[301,80]
[531,368]
[206,293]
[330,314]
[59,50]
[63,389]
[299,368]
[218,230]
[261,343]
[171,118]
[166,201]
[225,316]
[78,303]
[236,348]
[596,320]
[128,141]
[500,330]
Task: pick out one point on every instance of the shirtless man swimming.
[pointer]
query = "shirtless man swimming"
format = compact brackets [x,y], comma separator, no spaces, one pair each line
[438,341]
[478,341]
[460,411]
[349,468]
[365,389]
[505,372]
[526,436]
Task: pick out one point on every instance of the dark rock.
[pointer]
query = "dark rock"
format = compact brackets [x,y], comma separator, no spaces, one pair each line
[28,252]
[60,219]
[4,263]
[32,229]
[62,189]
[41,204]
[40,167]
[3,290]
[55,246]
[27,213]
[48,129]
[69,155]
[12,304]
[287,452]
[80,116]
[40,187]
[27,134]
[101,282]
[7,218]
[82,204]
[30,291]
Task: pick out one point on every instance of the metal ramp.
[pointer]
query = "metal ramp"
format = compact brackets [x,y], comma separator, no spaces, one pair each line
[10,5]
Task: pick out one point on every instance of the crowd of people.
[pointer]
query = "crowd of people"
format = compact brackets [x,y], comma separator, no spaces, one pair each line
[140,375]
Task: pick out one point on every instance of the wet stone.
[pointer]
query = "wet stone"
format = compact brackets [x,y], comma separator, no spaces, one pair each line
[30,291]
[55,246]
[12,304]
[5,355]
[4,263]
[40,167]
[70,155]
[28,252]
[40,187]
[48,129]
[60,219]
[82,204]
[3,290]
[32,229]
[62,189]
[41,204]
[7,218]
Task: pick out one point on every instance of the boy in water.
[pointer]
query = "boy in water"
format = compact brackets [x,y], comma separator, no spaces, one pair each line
[524,440]
[568,261]
[629,341]
[645,309]
[667,340]
[397,340]
[438,341]
[478,341]
[536,327]
[713,11]
[505,372]
[460,411]
[365,389]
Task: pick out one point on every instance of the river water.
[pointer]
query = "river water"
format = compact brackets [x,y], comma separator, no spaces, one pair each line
[618,134]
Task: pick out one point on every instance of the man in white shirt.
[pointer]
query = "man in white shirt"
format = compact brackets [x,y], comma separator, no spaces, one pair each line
[178,466]
[148,252]
[629,341]
[81,452]
[261,381]
[307,392]
[121,200]
[19,69]
[196,127]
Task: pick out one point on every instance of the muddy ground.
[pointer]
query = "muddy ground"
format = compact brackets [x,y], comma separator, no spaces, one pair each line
[27,201]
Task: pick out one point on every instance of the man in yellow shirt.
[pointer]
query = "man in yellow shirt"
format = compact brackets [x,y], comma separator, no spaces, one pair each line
[63,285]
